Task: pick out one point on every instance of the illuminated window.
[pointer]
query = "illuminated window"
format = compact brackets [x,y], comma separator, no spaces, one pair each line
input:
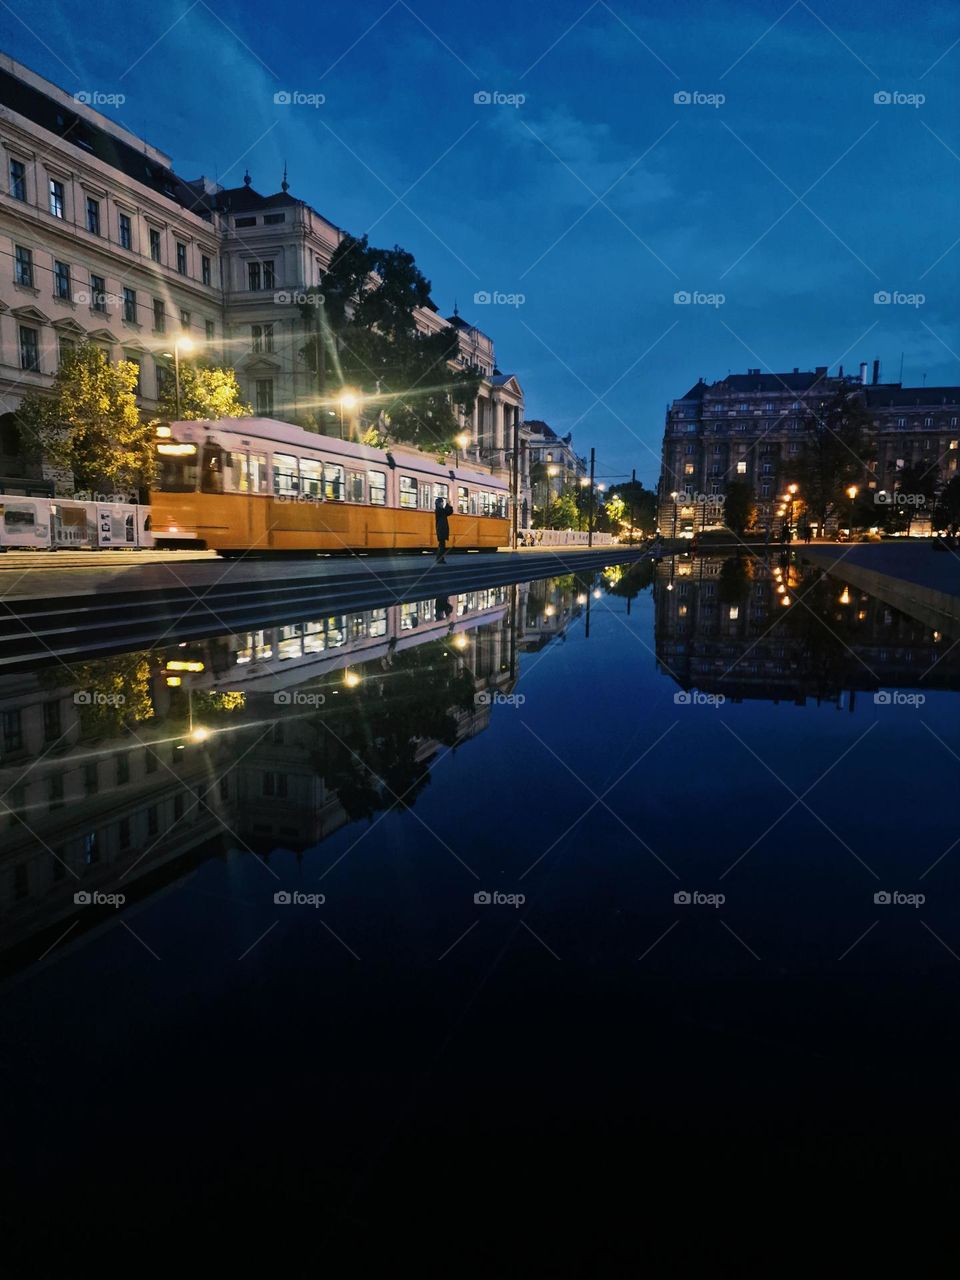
[355,486]
[741,468]
[286,477]
[408,491]
[377,486]
[311,476]
[463,500]
[333,482]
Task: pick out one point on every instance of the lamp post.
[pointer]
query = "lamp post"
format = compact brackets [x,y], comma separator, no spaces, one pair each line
[347,400]
[185,345]
[584,482]
[675,494]
[461,443]
[851,492]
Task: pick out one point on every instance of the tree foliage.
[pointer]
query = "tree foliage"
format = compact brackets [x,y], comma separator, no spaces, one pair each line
[364,334]
[834,451]
[739,507]
[89,423]
[205,392]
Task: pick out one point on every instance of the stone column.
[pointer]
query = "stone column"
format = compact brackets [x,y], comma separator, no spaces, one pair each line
[498,410]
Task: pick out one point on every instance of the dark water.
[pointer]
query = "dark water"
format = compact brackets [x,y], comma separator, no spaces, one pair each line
[407,1056]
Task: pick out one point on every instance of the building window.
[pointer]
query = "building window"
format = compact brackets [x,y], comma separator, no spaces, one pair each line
[126,238]
[741,468]
[253,275]
[24,266]
[154,244]
[262,335]
[93,216]
[12,731]
[159,316]
[98,294]
[181,258]
[61,280]
[244,222]
[271,219]
[269,279]
[29,349]
[264,397]
[18,180]
[56,198]
[211,330]
[204,268]
[130,305]
[184,319]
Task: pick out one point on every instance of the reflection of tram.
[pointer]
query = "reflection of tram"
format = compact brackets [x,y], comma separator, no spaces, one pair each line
[254,484]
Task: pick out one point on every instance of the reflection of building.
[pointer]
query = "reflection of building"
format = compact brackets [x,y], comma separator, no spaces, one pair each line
[720,627]
[104,241]
[750,427]
[272,737]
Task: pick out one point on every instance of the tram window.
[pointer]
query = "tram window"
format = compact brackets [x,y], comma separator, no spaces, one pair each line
[286,477]
[426,497]
[211,475]
[463,500]
[409,617]
[311,476]
[500,505]
[333,482]
[355,486]
[377,485]
[258,473]
[408,491]
[237,474]
[474,503]
[377,623]
[441,490]
[178,474]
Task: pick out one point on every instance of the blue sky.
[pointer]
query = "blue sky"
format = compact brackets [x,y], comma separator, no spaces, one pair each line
[600,197]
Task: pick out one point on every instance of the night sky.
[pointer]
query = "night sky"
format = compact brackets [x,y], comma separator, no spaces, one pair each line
[798,198]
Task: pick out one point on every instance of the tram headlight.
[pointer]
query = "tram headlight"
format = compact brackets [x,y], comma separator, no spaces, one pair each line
[164,433]
[173,450]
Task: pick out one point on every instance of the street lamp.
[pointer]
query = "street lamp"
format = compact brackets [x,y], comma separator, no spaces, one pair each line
[675,494]
[185,345]
[461,442]
[348,400]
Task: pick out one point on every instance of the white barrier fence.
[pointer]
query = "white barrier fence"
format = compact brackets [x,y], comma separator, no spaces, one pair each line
[46,524]
[562,538]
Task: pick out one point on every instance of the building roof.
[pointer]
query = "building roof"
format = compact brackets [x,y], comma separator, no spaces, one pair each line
[754,380]
[82,131]
[245,200]
[892,394]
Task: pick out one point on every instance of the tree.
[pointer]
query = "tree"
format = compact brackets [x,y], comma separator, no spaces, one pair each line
[640,503]
[834,453]
[739,508]
[364,334]
[205,392]
[948,508]
[611,514]
[89,423]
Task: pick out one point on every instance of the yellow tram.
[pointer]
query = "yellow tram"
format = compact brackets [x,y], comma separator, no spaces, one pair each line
[254,484]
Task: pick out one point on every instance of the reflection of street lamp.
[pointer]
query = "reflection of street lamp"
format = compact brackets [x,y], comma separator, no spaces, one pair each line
[185,345]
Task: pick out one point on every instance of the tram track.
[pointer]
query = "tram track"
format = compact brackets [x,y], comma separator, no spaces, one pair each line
[40,629]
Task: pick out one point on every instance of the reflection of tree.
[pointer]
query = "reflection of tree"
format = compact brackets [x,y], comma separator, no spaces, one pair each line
[111,693]
[736,575]
[634,578]
[371,735]
[823,632]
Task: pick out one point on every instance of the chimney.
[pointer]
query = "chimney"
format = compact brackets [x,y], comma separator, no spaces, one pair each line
[820,370]
[863,372]
[876,372]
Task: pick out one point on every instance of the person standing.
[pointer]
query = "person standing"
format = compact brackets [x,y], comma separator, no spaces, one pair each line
[442,511]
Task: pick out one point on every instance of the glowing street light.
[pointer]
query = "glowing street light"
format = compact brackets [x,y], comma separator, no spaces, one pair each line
[184,344]
[348,400]
[462,443]
[199,734]
[351,679]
